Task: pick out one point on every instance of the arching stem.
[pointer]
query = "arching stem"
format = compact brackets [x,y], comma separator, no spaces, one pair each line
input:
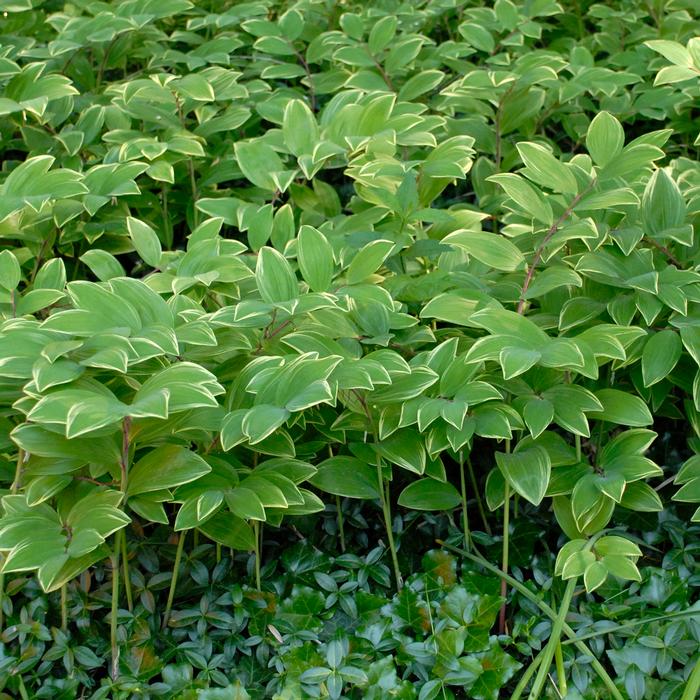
[386,510]
[465,514]
[173,580]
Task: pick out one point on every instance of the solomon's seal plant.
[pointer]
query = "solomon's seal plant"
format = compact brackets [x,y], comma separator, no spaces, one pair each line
[407,270]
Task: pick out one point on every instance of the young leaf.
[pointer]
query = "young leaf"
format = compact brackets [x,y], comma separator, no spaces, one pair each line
[368,260]
[10,273]
[145,241]
[528,472]
[299,128]
[605,138]
[274,275]
[525,196]
[661,354]
[315,256]
[543,168]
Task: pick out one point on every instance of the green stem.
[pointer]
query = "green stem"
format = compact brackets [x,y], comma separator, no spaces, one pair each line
[173,580]
[2,599]
[555,636]
[166,218]
[504,561]
[64,607]
[124,471]
[634,623]
[579,20]
[577,439]
[561,674]
[692,688]
[218,552]
[125,566]
[22,689]
[526,677]
[386,509]
[115,608]
[256,532]
[341,524]
[599,444]
[19,468]
[465,514]
[479,502]
[13,490]
[546,609]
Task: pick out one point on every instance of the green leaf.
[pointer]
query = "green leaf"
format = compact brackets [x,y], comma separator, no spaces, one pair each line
[315,256]
[626,444]
[528,199]
[429,494]
[165,467]
[382,34]
[348,477]
[689,492]
[640,497]
[420,83]
[262,420]
[515,361]
[10,272]
[451,308]
[51,275]
[672,51]
[299,128]
[661,354]
[258,162]
[230,531]
[145,241]
[406,386]
[368,260]
[594,576]
[622,408]
[615,545]
[404,448]
[605,138]
[490,249]
[79,411]
[103,264]
[528,472]
[245,503]
[543,168]
[622,567]
[576,563]
[274,276]
[495,489]
[196,87]
[570,548]
[663,206]
[538,415]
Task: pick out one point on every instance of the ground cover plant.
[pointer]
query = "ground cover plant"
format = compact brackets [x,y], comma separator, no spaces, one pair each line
[349,349]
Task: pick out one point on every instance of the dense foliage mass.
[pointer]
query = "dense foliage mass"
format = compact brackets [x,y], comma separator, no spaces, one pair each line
[349,350]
